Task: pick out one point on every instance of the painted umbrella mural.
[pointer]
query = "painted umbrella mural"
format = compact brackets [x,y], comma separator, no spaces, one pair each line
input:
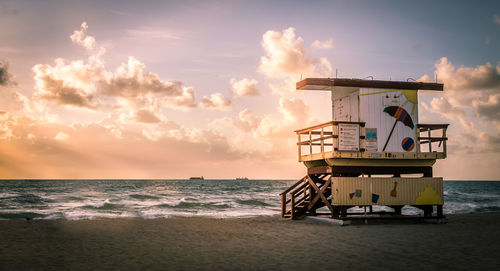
[401,115]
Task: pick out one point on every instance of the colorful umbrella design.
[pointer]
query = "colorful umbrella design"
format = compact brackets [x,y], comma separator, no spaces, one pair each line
[401,115]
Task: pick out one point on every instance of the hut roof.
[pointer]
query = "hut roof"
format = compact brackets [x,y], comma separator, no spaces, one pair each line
[332,83]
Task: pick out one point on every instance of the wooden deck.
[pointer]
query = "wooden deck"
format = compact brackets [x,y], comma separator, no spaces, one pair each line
[321,142]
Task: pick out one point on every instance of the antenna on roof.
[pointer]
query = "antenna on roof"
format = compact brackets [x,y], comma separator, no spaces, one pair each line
[436,77]
[336,71]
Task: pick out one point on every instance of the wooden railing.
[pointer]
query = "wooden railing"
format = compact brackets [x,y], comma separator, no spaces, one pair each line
[429,130]
[322,141]
[299,196]
[326,137]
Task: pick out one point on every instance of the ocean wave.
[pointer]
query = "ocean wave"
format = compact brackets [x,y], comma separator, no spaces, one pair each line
[75,200]
[252,202]
[142,196]
[182,204]
[104,206]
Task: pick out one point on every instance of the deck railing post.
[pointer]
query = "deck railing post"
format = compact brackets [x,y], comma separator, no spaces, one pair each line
[292,205]
[322,143]
[310,144]
[430,141]
[300,148]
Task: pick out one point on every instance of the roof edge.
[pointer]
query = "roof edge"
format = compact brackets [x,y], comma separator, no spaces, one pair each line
[327,83]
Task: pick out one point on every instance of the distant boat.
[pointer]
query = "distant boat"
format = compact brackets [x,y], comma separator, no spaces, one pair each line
[242,179]
[197,178]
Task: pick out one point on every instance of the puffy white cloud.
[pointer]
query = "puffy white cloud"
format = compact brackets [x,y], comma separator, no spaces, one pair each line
[327,44]
[71,84]
[86,84]
[294,110]
[470,87]
[285,54]
[469,90]
[244,87]
[481,77]
[80,37]
[61,136]
[287,60]
[131,81]
[215,101]
[488,107]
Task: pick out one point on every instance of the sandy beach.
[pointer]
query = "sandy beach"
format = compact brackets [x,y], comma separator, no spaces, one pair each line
[469,241]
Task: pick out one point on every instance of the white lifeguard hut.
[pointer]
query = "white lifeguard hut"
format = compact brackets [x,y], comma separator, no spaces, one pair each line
[373,152]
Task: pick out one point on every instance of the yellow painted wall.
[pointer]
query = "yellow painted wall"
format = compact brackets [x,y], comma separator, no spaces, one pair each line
[409,191]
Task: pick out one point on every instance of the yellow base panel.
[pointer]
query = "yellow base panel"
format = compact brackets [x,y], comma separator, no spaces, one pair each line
[355,191]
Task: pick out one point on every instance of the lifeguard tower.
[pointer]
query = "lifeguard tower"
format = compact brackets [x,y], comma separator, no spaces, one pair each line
[373,152]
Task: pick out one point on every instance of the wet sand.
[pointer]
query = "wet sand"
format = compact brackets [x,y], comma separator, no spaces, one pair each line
[467,242]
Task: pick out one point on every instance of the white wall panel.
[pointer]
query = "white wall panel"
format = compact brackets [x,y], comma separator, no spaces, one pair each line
[371,105]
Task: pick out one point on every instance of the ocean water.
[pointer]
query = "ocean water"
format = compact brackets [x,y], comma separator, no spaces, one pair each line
[97,199]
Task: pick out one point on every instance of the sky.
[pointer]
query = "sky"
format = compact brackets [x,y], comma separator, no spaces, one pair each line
[173,89]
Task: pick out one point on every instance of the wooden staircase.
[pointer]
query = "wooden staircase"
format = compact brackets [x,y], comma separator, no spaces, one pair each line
[306,196]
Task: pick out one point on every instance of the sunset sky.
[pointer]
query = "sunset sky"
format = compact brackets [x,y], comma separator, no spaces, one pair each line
[173,89]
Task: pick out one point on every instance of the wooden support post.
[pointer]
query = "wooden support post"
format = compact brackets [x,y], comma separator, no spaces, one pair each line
[292,206]
[440,210]
[343,211]
[283,205]
[427,210]
[397,210]
[427,171]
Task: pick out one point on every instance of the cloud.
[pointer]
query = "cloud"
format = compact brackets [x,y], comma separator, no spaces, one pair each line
[286,56]
[146,116]
[287,60]
[67,84]
[327,44]
[5,76]
[247,121]
[61,136]
[80,37]
[244,87]
[496,19]
[86,84]
[470,87]
[462,78]
[131,80]
[215,101]
[294,110]
[488,107]
[470,92]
